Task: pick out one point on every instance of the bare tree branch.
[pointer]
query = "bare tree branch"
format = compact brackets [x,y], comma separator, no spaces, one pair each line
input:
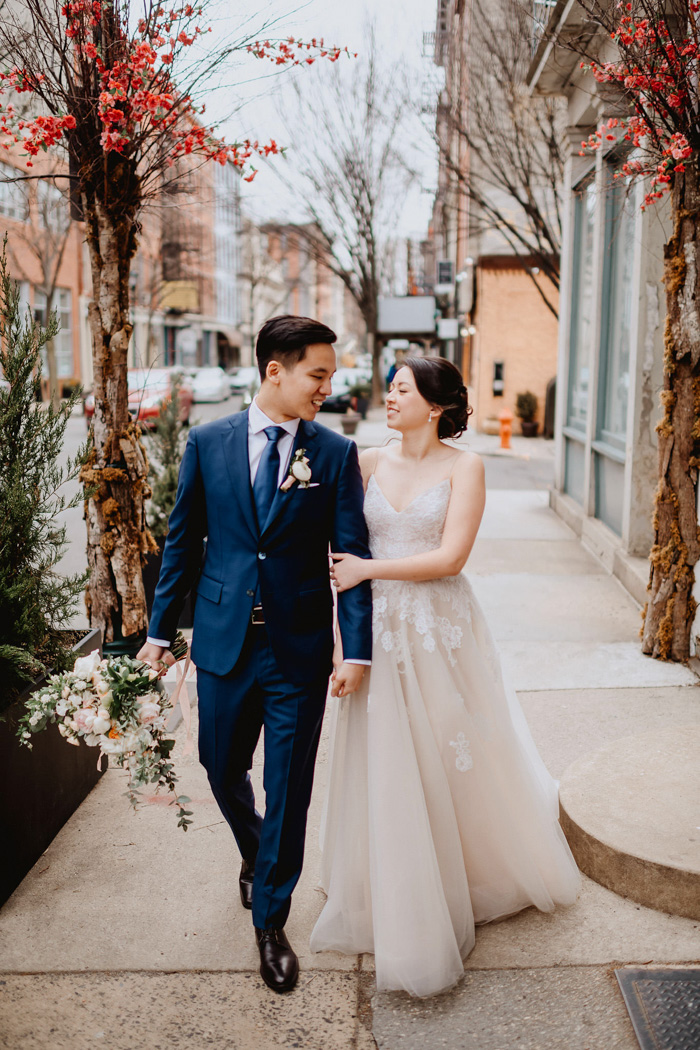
[504,150]
[355,183]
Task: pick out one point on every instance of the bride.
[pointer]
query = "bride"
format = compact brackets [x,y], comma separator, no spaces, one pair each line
[440,812]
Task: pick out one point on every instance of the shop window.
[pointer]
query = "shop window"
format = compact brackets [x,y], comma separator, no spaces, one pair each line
[582,307]
[616,315]
[63,342]
[14,201]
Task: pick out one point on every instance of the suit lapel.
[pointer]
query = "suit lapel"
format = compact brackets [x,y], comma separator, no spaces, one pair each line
[235,442]
[305,436]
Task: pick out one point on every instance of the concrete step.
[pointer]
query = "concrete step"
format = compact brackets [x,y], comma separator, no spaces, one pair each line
[631,813]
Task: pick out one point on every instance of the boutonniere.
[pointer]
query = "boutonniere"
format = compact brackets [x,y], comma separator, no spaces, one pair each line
[299,472]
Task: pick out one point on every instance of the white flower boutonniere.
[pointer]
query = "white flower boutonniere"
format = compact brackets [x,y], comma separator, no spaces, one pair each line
[299,472]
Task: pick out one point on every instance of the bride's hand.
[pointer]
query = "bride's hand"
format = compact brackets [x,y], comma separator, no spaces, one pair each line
[347,571]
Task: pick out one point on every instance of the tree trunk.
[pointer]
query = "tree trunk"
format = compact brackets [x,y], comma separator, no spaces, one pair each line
[375,351]
[117,535]
[670,610]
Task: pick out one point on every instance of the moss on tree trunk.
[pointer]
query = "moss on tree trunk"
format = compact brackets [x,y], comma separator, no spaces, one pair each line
[670,610]
[117,532]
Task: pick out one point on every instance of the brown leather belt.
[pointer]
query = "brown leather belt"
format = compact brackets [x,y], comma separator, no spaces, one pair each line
[257,615]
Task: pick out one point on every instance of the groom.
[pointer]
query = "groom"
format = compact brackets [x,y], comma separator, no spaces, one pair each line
[263,639]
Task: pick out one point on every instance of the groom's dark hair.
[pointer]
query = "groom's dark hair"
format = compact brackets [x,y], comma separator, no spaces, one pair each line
[286,338]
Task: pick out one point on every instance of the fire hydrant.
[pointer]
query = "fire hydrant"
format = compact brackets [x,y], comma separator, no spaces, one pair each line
[505,418]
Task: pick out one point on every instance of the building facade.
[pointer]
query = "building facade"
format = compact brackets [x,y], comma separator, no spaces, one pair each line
[44,253]
[202,283]
[610,354]
[504,333]
[281,275]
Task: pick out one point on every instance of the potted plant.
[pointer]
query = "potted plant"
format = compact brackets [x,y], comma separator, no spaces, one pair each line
[165,447]
[361,394]
[526,410]
[349,421]
[41,788]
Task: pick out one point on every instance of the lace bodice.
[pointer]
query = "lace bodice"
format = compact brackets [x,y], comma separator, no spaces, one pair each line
[399,534]
[415,529]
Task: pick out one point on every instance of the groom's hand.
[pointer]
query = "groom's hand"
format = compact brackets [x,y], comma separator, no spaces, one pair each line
[156,657]
[347,679]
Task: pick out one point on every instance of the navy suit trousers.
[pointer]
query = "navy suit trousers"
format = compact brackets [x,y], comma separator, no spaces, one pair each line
[232,711]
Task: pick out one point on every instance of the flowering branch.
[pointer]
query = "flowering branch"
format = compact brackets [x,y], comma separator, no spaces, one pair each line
[134,97]
[657,72]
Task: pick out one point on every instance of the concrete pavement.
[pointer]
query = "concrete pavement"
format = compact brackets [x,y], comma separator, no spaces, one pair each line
[129,934]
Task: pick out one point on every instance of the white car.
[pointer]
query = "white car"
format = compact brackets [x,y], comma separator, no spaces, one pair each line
[209,384]
[243,379]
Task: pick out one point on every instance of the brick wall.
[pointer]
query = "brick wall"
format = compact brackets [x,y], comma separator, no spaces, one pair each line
[513,325]
[32,253]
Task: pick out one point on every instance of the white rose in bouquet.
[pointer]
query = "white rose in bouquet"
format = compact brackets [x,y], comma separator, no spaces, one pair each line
[86,665]
[101,686]
[148,713]
[85,719]
[101,724]
[109,746]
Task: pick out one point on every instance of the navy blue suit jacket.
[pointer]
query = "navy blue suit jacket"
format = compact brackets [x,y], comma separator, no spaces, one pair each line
[288,554]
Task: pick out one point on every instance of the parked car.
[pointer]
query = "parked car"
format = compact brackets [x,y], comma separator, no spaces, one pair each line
[251,390]
[209,384]
[149,388]
[344,380]
[240,380]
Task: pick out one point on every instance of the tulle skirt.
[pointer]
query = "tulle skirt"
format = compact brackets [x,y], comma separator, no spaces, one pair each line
[440,813]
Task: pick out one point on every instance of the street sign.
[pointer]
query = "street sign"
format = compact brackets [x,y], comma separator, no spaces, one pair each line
[445,271]
[448,328]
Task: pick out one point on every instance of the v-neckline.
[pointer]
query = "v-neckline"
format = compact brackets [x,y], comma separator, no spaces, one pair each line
[410,504]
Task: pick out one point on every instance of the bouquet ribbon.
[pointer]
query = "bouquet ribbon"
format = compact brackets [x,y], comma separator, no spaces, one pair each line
[182,696]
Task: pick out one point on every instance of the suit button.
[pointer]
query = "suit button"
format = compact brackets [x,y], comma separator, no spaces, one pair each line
[262,555]
[251,594]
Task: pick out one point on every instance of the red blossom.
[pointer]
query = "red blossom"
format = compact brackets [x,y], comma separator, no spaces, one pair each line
[136,91]
[658,72]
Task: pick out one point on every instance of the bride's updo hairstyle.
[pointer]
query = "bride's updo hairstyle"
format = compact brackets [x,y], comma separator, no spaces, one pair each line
[439,382]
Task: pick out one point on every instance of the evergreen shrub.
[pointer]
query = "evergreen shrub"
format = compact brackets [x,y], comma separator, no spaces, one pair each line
[165,448]
[36,603]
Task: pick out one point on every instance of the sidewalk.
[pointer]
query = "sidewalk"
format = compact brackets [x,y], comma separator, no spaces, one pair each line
[129,934]
[373,432]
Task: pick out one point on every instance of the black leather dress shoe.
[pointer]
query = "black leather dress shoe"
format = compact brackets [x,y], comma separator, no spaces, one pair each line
[245,884]
[279,966]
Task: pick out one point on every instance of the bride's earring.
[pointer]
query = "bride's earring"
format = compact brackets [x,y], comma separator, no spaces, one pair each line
[430,417]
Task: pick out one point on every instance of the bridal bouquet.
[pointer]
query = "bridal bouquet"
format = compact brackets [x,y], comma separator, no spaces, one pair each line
[118,705]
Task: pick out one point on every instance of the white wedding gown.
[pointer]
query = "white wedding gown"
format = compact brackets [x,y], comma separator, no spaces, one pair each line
[440,812]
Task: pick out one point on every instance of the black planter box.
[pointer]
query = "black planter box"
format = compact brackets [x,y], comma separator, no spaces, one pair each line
[41,788]
[151,572]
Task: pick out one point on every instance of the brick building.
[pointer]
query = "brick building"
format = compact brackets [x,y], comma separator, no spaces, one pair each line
[514,345]
[44,252]
[279,275]
[506,335]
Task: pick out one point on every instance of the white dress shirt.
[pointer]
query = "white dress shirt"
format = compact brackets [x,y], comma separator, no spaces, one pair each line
[257,441]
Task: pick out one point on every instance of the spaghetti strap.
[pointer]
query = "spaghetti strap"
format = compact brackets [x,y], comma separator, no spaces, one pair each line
[365,482]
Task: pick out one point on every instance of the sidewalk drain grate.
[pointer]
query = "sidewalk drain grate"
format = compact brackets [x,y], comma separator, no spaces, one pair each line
[664,1006]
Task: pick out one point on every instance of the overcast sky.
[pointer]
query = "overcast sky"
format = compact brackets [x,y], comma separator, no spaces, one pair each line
[400,25]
